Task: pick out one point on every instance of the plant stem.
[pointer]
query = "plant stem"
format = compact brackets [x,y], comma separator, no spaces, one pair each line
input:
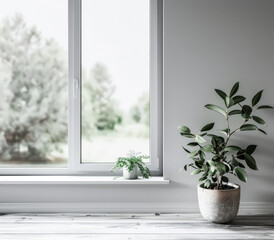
[230,134]
[227,121]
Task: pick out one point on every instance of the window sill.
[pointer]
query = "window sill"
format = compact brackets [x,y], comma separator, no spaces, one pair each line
[80,180]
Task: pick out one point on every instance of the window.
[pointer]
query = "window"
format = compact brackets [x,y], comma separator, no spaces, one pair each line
[106,82]
[115,78]
[34,80]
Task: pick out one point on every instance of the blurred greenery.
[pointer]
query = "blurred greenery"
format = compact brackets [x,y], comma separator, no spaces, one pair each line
[33,77]
[33,109]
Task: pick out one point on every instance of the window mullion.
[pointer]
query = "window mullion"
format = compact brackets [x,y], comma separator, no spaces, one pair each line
[74,83]
[156,83]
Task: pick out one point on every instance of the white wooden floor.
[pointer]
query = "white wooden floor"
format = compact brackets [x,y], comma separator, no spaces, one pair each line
[129,226]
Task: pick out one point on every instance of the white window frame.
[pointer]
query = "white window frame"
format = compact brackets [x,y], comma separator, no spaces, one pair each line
[75,167]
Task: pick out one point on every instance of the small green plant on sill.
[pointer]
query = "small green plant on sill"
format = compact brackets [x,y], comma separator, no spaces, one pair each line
[131,161]
[214,157]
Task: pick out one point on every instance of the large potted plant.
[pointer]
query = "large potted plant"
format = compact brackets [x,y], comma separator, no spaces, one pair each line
[215,158]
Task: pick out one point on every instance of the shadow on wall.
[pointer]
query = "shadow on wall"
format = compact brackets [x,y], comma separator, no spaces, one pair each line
[261,181]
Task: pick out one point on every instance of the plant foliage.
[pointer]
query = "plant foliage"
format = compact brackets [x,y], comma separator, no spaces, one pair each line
[131,161]
[214,157]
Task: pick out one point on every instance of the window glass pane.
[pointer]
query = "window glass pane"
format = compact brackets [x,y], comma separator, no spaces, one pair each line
[115,78]
[33,79]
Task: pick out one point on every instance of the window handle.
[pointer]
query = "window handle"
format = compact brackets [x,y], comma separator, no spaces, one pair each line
[75,87]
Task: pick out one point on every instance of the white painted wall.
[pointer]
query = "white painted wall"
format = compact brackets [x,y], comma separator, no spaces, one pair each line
[207,44]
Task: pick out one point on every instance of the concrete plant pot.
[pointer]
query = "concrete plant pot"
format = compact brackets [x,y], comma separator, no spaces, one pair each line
[133,174]
[219,206]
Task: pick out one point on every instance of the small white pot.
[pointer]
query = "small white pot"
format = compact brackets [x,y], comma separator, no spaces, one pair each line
[219,206]
[133,174]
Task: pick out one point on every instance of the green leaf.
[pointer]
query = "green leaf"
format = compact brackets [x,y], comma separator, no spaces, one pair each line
[199,164]
[184,129]
[217,165]
[229,102]
[264,107]
[205,168]
[241,165]
[250,161]
[225,131]
[246,110]
[241,174]
[261,130]
[204,174]
[248,127]
[216,141]
[238,99]
[195,172]
[186,150]
[240,155]
[207,183]
[207,148]
[246,117]
[207,127]
[234,89]
[232,148]
[257,98]
[202,155]
[220,167]
[188,135]
[221,93]
[258,120]
[211,163]
[193,144]
[216,109]
[234,112]
[193,154]
[234,162]
[251,149]
[216,158]
[212,173]
[202,178]
[200,139]
[185,167]
[225,179]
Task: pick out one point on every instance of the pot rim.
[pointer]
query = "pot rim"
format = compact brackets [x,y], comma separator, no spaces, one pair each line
[236,187]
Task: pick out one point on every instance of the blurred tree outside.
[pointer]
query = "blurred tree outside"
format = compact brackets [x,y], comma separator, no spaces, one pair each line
[140,111]
[33,77]
[99,105]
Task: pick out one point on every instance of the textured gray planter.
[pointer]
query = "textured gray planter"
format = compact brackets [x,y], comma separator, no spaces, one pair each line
[133,174]
[219,206]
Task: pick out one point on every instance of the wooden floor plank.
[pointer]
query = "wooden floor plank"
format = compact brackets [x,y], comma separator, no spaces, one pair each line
[132,226]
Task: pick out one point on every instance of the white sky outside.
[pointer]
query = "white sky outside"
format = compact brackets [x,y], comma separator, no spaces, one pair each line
[116,33]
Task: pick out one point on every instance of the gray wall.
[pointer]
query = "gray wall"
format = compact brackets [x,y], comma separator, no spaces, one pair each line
[213,44]
[207,44]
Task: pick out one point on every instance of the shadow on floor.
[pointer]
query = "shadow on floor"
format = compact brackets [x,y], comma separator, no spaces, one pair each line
[256,220]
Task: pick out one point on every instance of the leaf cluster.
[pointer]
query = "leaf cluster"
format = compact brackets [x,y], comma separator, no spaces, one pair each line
[212,156]
[130,162]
